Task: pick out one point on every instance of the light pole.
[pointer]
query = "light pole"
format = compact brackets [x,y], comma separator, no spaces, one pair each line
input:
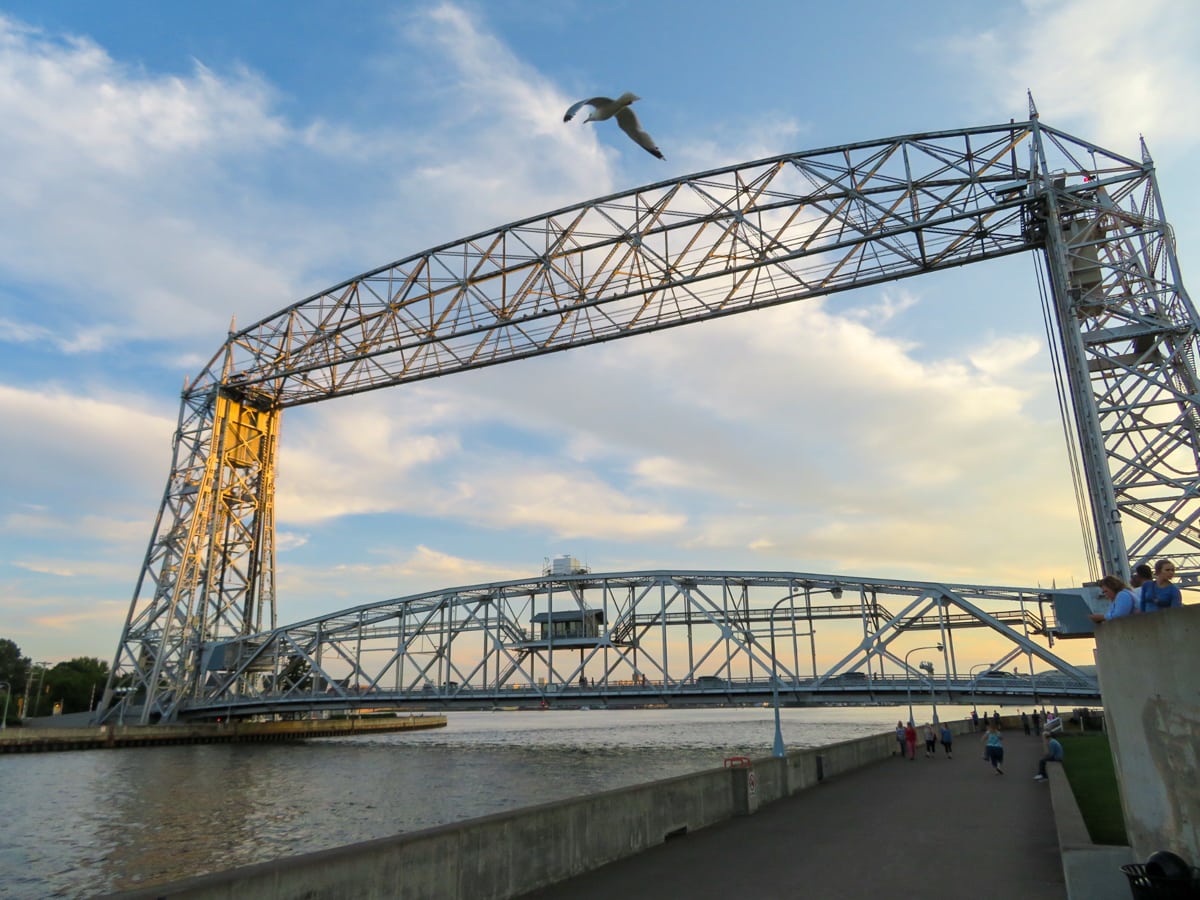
[37,697]
[908,672]
[7,697]
[778,750]
[975,683]
[927,667]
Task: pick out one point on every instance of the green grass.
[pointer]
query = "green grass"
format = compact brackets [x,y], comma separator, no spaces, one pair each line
[1088,763]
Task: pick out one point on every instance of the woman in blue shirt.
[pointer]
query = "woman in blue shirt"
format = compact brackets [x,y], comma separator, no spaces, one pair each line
[994,749]
[1121,596]
[1160,593]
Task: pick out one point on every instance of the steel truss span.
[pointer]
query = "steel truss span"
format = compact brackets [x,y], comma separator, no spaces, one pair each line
[730,240]
[637,638]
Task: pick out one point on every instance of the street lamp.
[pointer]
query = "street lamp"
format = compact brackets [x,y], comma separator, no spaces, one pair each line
[37,697]
[927,667]
[778,750]
[975,684]
[907,671]
[7,696]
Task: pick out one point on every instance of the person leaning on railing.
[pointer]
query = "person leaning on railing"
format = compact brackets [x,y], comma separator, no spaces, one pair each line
[1160,593]
[1122,603]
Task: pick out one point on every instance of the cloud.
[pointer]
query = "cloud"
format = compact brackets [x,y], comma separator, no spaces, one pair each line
[111,172]
[513,155]
[1006,354]
[891,303]
[312,590]
[793,434]
[1093,62]
[102,446]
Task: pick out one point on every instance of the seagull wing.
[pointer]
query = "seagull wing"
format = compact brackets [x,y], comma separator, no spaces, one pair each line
[575,107]
[628,121]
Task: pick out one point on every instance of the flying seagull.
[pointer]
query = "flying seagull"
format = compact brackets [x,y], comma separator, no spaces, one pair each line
[604,108]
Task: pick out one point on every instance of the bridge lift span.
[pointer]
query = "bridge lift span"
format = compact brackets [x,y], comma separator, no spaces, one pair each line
[726,241]
[636,638]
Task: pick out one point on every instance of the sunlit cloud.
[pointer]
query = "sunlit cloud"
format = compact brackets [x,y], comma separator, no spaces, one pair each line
[1095,61]
[106,445]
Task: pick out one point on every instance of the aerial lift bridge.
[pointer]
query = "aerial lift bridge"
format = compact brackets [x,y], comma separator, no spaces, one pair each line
[202,625]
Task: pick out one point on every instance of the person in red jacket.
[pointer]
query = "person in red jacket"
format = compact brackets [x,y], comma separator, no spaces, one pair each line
[910,740]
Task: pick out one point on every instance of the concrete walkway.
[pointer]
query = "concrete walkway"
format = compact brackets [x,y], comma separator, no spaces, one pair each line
[933,828]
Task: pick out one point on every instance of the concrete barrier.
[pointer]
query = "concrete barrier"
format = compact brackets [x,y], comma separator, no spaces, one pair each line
[1091,871]
[509,854]
[1150,681]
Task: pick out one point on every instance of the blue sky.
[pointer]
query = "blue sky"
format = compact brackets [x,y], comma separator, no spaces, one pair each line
[168,167]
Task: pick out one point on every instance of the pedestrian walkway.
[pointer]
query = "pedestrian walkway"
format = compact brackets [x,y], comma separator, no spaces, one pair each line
[925,828]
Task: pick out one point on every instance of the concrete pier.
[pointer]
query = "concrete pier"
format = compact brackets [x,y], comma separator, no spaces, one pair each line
[108,737]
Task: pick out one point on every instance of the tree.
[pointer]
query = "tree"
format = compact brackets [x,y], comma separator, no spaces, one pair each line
[77,684]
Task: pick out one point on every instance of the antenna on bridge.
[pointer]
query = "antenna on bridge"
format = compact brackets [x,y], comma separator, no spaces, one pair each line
[1033,113]
[1146,157]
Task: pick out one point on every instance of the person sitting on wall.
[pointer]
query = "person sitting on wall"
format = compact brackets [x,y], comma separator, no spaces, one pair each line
[1054,753]
[1122,603]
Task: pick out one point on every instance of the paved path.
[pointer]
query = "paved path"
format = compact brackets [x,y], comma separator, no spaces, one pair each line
[929,828]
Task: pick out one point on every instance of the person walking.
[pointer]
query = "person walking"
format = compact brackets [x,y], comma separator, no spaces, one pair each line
[996,718]
[900,737]
[994,748]
[947,740]
[1054,753]
[1037,723]
[974,720]
[910,740]
[930,741]
[1025,721]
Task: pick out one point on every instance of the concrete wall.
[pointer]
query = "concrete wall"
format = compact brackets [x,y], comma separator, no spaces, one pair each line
[502,856]
[1149,670]
[1091,871]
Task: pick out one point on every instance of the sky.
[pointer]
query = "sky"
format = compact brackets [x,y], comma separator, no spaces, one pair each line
[167,169]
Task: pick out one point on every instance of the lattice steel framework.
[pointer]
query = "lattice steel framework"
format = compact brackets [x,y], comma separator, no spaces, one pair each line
[642,637]
[707,245]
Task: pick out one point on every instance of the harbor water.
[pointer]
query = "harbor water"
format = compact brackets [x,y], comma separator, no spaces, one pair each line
[78,824]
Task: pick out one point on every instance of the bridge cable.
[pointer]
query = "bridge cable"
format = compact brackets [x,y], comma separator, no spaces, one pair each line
[1074,456]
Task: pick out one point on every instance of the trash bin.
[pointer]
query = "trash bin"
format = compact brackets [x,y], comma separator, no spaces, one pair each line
[1149,883]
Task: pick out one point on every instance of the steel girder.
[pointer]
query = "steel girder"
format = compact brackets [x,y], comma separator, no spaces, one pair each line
[717,243]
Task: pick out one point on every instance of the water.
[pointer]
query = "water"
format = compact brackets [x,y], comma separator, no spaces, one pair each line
[83,823]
